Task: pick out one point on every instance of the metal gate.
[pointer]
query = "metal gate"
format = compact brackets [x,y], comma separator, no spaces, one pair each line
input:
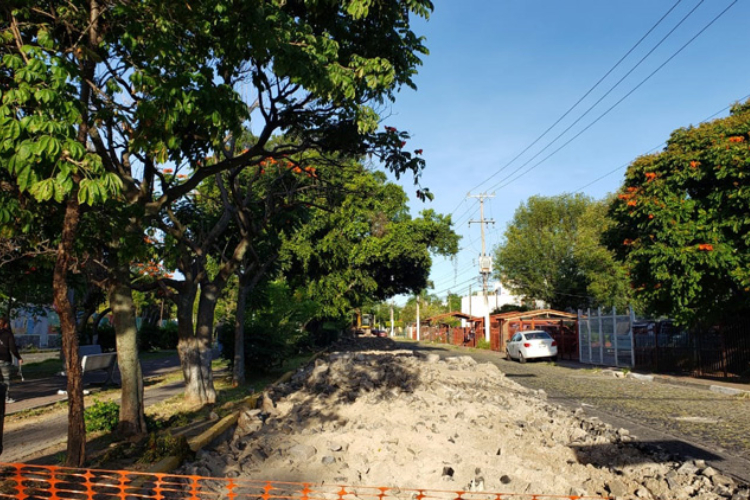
[606,339]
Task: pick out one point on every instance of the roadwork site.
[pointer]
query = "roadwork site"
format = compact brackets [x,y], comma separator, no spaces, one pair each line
[398,418]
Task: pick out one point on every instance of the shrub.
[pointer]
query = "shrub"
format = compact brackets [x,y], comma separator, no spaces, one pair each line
[265,348]
[102,416]
[153,337]
[483,344]
[161,445]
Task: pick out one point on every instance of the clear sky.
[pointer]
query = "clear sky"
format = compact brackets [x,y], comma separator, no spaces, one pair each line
[501,72]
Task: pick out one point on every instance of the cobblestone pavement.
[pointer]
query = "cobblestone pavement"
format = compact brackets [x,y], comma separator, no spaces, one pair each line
[704,417]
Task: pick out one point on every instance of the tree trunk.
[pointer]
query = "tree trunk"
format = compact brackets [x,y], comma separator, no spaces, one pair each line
[238,370]
[132,420]
[76,449]
[202,389]
[187,346]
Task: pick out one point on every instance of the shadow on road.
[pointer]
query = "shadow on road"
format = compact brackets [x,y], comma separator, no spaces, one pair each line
[615,455]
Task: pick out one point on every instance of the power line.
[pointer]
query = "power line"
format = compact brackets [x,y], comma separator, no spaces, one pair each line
[654,148]
[588,92]
[498,186]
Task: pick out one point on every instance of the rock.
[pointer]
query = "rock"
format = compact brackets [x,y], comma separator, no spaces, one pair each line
[333,446]
[708,472]
[248,422]
[505,479]
[721,480]
[448,471]
[328,460]
[617,488]
[431,358]
[688,469]
[213,416]
[302,451]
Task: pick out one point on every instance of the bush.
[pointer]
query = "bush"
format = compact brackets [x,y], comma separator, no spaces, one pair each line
[265,348]
[102,416]
[483,344]
[153,337]
[163,445]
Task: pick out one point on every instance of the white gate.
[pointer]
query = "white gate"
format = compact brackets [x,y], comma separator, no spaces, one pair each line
[606,339]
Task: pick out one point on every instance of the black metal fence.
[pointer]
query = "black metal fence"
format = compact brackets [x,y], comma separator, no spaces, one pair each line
[718,351]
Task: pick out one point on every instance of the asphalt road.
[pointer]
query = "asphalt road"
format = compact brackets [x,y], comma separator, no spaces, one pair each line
[26,440]
[681,420]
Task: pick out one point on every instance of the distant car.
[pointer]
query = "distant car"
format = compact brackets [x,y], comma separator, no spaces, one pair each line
[379,333]
[531,345]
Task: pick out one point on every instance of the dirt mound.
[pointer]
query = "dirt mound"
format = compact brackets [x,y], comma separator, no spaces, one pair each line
[391,417]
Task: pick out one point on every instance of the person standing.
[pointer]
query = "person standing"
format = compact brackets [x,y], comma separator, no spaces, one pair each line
[7,347]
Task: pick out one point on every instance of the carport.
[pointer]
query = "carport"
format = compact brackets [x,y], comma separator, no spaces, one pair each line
[562,326]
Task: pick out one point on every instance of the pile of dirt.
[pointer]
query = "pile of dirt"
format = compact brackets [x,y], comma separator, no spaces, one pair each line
[392,417]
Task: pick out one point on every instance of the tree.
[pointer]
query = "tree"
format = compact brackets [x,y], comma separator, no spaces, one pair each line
[367,247]
[552,252]
[682,225]
[98,96]
[454,302]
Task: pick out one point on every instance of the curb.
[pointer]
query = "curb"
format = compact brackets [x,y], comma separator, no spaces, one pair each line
[720,389]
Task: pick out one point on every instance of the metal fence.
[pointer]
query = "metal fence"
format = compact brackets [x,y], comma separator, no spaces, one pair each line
[606,339]
[24,481]
[721,350]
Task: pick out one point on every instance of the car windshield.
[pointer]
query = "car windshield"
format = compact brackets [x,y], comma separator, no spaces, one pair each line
[537,336]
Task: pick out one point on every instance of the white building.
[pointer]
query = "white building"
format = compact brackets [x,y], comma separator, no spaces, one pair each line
[474,305]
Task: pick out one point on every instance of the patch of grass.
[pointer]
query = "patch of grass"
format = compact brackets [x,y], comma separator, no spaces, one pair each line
[42,369]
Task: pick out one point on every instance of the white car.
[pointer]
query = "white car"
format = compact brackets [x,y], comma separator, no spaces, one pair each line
[531,344]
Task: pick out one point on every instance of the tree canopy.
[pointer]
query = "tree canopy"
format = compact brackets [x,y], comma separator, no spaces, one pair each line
[552,252]
[682,222]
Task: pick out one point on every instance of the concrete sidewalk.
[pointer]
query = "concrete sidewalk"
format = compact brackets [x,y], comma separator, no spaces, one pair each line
[38,393]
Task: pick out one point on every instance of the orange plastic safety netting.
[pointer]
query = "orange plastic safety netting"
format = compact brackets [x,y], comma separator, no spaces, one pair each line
[27,482]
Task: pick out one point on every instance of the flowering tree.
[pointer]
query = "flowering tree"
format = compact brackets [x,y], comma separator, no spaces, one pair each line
[683,224]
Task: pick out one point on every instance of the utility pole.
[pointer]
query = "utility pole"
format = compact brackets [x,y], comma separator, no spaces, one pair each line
[485,261]
[391,319]
[418,324]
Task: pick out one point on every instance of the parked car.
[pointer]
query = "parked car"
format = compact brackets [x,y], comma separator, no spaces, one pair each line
[530,345]
[379,333]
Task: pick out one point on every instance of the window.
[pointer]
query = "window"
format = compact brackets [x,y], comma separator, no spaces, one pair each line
[537,336]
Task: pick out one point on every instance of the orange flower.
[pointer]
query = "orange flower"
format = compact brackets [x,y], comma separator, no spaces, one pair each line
[632,203]
[650,216]
[694,164]
[624,196]
[632,189]
[736,138]
[168,170]
[181,176]
[627,242]
[650,176]
[706,247]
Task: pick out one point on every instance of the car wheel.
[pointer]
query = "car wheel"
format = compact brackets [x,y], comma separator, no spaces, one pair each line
[507,355]
[521,358]
[553,358]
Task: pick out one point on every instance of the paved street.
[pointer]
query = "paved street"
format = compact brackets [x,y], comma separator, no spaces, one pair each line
[27,439]
[681,419]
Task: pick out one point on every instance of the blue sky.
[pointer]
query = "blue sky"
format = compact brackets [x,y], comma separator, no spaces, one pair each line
[500,72]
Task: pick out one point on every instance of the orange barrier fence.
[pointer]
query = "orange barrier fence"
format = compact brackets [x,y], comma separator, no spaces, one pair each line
[28,482]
